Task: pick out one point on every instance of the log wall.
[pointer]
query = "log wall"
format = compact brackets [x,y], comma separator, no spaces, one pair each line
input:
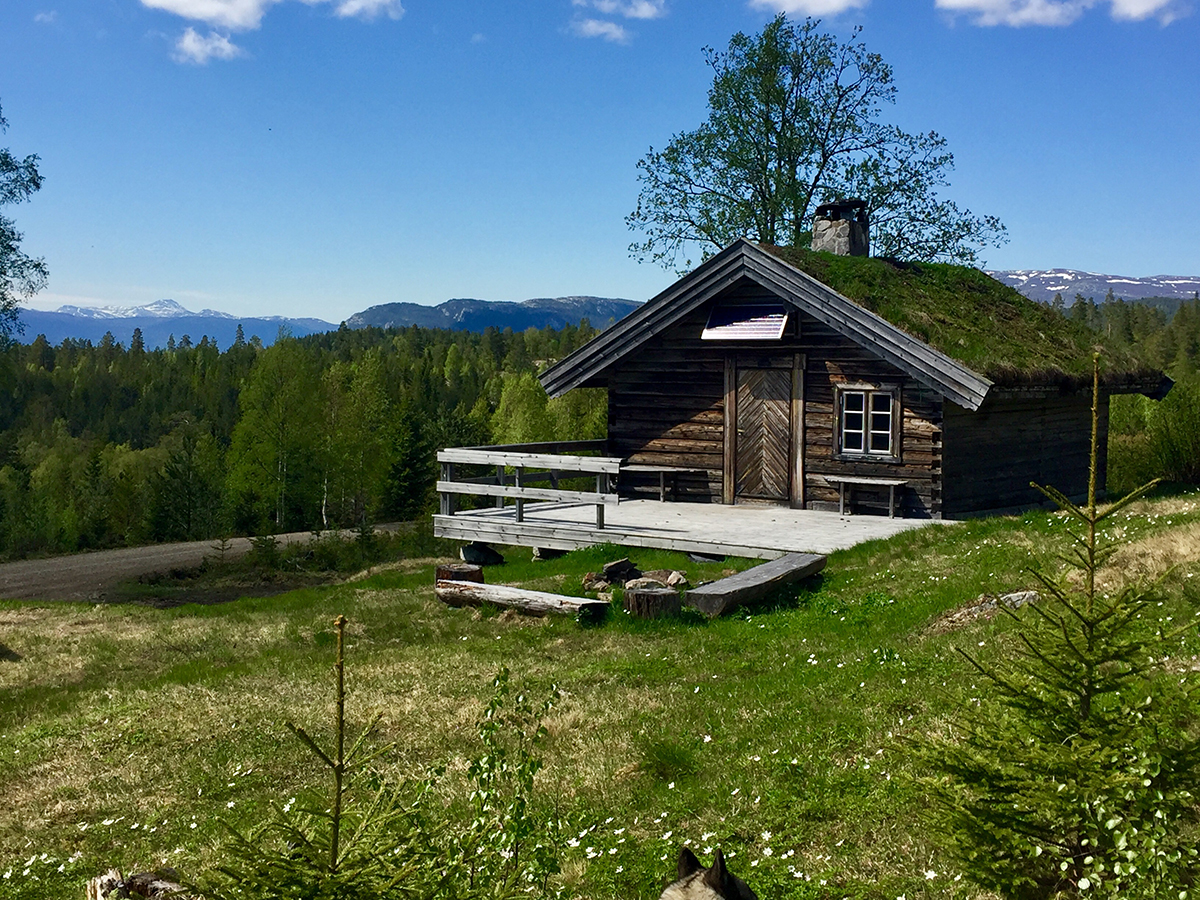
[1017,437]
[666,407]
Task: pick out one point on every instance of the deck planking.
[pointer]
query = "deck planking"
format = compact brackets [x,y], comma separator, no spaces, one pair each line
[754,531]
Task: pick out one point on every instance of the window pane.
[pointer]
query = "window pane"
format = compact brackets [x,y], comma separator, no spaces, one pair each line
[853,401]
[853,422]
[881,442]
[881,403]
[852,441]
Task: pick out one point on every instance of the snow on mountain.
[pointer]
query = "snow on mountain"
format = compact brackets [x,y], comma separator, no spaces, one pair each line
[1043,284]
[159,309]
[159,322]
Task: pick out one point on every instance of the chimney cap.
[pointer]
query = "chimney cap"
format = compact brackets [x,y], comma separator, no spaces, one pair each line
[855,210]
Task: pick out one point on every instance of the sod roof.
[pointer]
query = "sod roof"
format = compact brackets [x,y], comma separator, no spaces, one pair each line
[972,318]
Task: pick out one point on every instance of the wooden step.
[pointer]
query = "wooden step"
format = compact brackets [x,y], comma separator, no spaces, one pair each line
[721,596]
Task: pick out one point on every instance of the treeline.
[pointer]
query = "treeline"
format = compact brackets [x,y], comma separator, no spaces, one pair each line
[1149,439]
[1168,342]
[106,445]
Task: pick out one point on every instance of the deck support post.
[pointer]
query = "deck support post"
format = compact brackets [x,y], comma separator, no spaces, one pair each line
[601,488]
[500,481]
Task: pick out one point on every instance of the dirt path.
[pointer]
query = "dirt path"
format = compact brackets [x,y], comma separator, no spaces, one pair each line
[88,576]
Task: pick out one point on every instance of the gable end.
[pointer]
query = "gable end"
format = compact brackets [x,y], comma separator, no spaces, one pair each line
[743,259]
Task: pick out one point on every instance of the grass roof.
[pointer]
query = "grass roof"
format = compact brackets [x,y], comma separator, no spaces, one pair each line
[968,315]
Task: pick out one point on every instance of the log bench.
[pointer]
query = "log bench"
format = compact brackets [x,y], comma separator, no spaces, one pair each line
[663,472]
[864,481]
[464,587]
[717,597]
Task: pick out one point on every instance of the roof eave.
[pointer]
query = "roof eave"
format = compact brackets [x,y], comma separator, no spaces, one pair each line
[647,320]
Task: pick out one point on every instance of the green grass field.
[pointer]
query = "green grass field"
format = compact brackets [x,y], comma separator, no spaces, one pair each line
[780,734]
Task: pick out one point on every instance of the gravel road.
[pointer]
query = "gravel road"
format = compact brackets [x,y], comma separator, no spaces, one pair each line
[88,576]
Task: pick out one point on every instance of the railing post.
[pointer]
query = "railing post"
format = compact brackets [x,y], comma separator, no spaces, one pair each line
[601,488]
[500,481]
[447,499]
[520,502]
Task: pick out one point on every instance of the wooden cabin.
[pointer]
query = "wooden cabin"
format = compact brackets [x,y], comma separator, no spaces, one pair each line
[784,376]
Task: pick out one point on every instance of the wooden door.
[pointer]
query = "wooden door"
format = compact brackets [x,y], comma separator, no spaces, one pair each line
[763,446]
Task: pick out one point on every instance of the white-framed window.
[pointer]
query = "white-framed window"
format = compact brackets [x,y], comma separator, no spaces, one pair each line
[867,422]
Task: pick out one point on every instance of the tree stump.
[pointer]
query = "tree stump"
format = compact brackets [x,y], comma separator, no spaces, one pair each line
[459,572]
[652,603]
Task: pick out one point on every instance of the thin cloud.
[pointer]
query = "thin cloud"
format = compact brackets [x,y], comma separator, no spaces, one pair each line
[46,18]
[1018,13]
[1166,11]
[197,49]
[630,9]
[244,15]
[236,15]
[598,28]
[809,7]
[367,9]
[247,15]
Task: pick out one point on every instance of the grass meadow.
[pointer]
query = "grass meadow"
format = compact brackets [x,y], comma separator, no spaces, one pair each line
[129,734]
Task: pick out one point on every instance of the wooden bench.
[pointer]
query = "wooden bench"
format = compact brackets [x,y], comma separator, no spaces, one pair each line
[863,481]
[720,596]
[663,472]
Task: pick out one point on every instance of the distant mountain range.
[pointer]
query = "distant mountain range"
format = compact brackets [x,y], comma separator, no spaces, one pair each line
[158,321]
[1043,284]
[163,319]
[476,315]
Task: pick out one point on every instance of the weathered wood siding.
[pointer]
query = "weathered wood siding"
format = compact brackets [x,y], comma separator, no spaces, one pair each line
[1017,437]
[666,407]
[833,359]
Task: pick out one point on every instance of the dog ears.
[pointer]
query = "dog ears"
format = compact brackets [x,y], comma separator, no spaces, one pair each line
[717,876]
[688,864]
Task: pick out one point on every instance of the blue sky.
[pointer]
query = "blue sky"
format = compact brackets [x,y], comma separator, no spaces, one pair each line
[316,157]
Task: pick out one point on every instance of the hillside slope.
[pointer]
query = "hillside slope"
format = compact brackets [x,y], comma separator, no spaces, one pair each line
[476,315]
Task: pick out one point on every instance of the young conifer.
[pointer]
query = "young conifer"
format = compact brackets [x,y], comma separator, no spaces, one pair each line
[1079,773]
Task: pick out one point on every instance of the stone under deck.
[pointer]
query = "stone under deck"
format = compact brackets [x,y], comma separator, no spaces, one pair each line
[758,532]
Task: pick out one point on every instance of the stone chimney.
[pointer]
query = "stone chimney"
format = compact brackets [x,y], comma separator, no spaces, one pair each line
[843,228]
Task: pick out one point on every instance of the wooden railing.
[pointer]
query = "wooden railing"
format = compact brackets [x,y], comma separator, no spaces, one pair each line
[530,464]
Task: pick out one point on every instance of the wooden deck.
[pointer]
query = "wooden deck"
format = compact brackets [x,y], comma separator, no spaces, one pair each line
[758,532]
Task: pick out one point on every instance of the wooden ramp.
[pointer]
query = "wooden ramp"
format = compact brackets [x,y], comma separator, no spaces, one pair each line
[720,596]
